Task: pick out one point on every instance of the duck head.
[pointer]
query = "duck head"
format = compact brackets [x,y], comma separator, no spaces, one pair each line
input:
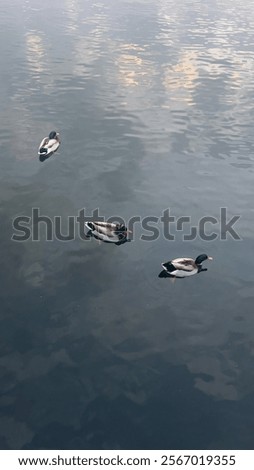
[52,135]
[200,258]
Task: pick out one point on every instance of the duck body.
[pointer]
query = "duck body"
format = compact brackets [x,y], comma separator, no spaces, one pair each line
[108,232]
[185,267]
[49,145]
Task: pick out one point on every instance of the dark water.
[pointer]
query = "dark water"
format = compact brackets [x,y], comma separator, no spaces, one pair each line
[154,104]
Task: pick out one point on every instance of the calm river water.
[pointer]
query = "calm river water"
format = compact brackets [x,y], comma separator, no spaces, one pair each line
[154,104]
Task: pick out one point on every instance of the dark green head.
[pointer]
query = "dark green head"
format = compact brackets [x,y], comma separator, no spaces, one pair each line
[52,135]
[200,258]
[121,228]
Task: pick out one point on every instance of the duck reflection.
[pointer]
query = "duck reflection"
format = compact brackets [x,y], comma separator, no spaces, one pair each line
[44,157]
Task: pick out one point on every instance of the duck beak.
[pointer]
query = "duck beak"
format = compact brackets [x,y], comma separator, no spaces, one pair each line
[210,258]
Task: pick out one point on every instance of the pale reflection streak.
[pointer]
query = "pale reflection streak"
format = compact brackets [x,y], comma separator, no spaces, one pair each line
[89,45]
[136,74]
[37,78]
[133,70]
[35,53]
[72,10]
[20,112]
[181,78]
[38,63]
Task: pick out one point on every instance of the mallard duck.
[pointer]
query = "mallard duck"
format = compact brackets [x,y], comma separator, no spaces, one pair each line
[108,232]
[183,267]
[49,145]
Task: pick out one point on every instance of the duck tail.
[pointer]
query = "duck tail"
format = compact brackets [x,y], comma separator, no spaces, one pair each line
[90,225]
[168,266]
[164,274]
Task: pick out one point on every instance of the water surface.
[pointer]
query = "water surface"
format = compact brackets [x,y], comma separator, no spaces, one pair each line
[154,104]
